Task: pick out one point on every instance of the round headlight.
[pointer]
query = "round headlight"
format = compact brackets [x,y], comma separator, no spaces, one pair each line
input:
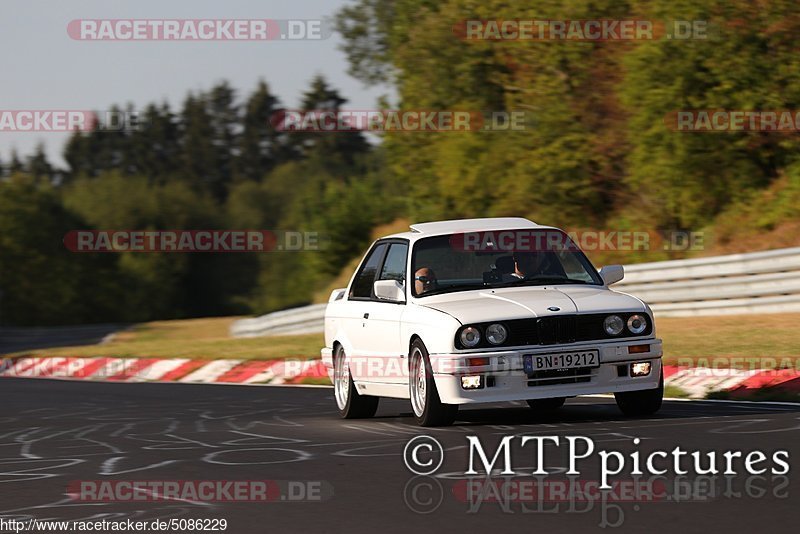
[613,325]
[470,336]
[496,334]
[637,324]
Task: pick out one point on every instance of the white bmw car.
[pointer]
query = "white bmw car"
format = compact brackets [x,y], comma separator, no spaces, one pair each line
[487,310]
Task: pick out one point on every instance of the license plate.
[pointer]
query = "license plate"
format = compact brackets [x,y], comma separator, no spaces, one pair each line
[563,360]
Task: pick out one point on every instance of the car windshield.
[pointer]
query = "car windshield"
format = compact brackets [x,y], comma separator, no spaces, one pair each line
[477,260]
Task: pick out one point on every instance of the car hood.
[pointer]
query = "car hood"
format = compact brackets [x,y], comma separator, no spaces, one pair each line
[531,301]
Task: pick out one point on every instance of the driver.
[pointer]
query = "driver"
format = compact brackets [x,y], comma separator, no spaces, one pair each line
[424,280]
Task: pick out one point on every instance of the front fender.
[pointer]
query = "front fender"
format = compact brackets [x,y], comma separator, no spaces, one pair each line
[437,329]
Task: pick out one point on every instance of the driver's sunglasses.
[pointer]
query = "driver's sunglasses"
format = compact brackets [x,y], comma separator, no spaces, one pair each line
[425,279]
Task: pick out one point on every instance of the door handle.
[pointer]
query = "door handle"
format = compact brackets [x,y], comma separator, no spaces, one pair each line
[366,316]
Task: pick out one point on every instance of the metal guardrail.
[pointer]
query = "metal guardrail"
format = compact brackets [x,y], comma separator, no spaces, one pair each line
[305,320]
[758,282]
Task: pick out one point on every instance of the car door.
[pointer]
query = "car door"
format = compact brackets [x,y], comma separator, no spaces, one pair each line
[383,345]
[358,310]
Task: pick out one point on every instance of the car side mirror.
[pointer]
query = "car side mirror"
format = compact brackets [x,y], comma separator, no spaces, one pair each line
[390,290]
[611,274]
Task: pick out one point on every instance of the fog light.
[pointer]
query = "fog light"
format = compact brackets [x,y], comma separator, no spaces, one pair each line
[638,369]
[472,382]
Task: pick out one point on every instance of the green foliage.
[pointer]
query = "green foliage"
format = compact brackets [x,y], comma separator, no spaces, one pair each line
[596,151]
[215,164]
[41,282]
[762,211]
[166,285]
[598,146]
[687,178]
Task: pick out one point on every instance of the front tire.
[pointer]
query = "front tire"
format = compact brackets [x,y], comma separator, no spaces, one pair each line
[428,408]
[351,405]
[638,403]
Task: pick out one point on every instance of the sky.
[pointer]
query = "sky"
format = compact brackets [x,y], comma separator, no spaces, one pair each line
[43,68]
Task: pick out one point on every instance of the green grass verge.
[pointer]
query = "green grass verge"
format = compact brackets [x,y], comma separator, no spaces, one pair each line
[735,341]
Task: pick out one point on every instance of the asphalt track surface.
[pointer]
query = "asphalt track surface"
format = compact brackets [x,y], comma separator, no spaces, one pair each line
[54,432]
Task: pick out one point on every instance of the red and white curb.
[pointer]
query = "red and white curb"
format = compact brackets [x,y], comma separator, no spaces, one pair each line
[697,382]
[165,370]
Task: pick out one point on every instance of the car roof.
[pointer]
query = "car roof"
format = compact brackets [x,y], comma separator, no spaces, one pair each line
[487,224]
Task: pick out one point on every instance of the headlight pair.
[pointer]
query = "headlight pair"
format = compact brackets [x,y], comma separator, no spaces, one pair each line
[613,324]
[496,334]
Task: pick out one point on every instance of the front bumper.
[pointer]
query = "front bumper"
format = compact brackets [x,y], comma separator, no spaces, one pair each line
[509,382]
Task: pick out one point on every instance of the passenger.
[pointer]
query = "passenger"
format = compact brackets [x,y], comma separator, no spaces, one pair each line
[527,264]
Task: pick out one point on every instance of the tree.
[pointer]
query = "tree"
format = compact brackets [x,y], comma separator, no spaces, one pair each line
[43,283]
[154,147]
[38,166]
[261,147]
[366,29]
[198,154]
[685,179]
[339,151]
[15,165]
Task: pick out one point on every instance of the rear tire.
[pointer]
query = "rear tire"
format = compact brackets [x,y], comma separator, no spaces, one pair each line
[638,403]
[428,408]
[351,405]
[547,405]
